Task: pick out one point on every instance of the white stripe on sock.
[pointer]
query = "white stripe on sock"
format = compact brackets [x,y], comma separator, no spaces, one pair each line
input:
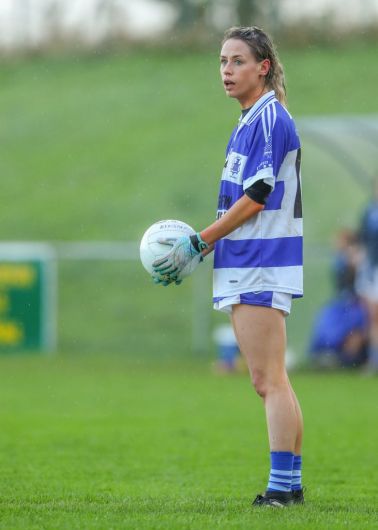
[278,487]
[281,472]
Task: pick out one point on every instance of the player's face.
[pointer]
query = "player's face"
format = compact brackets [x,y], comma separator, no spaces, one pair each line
[242,76]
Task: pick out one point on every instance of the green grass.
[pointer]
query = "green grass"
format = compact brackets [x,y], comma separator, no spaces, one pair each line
[102,442]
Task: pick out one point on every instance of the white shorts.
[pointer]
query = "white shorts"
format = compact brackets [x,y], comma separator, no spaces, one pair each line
[367,282]
[277,300]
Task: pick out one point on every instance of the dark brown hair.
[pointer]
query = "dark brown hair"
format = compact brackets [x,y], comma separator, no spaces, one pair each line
[262,47]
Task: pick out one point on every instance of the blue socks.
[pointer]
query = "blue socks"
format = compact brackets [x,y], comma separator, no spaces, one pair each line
[296,482]
[286,471]
[281,471]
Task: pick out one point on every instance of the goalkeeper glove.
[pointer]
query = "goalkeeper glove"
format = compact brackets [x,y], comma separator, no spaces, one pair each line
[184,249]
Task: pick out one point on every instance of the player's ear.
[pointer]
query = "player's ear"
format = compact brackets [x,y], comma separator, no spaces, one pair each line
[264,67]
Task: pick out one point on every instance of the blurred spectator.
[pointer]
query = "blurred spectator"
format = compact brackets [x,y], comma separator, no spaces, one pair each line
[228,350]
[367,277]
[230,360]
[340,332]
[346,261]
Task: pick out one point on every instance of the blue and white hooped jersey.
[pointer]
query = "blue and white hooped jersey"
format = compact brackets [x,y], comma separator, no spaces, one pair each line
[266,252]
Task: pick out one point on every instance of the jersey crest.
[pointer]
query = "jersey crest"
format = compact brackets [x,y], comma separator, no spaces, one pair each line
[235,168]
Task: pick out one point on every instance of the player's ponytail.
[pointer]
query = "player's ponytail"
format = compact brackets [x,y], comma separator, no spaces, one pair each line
[262,47]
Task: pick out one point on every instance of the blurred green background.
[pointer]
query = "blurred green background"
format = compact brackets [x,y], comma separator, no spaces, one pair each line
[98,147]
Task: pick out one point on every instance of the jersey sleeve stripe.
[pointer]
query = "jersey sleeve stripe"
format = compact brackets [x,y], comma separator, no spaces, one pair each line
[268,119]
[264,124]
[268,113]
[274,115]
[264,174]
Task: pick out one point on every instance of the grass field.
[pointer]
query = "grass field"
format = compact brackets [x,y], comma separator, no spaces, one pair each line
[103,442]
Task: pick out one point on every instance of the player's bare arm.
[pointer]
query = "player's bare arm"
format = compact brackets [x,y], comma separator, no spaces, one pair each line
[184,249]
[238,214]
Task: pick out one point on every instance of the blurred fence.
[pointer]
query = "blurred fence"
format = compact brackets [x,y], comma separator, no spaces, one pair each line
[107,302]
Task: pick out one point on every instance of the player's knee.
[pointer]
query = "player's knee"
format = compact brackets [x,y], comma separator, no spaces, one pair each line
[265,383]
[260,383]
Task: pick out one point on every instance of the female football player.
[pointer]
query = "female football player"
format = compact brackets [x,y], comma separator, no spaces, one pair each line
[257,239]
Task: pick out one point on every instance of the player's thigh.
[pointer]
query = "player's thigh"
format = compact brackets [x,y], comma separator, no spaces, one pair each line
[372,306]
[261,335]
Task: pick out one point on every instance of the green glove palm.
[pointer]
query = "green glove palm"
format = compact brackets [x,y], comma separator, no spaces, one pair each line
[164,280]
[169,266]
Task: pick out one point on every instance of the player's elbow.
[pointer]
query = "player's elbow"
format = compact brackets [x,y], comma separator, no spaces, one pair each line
[252,207]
